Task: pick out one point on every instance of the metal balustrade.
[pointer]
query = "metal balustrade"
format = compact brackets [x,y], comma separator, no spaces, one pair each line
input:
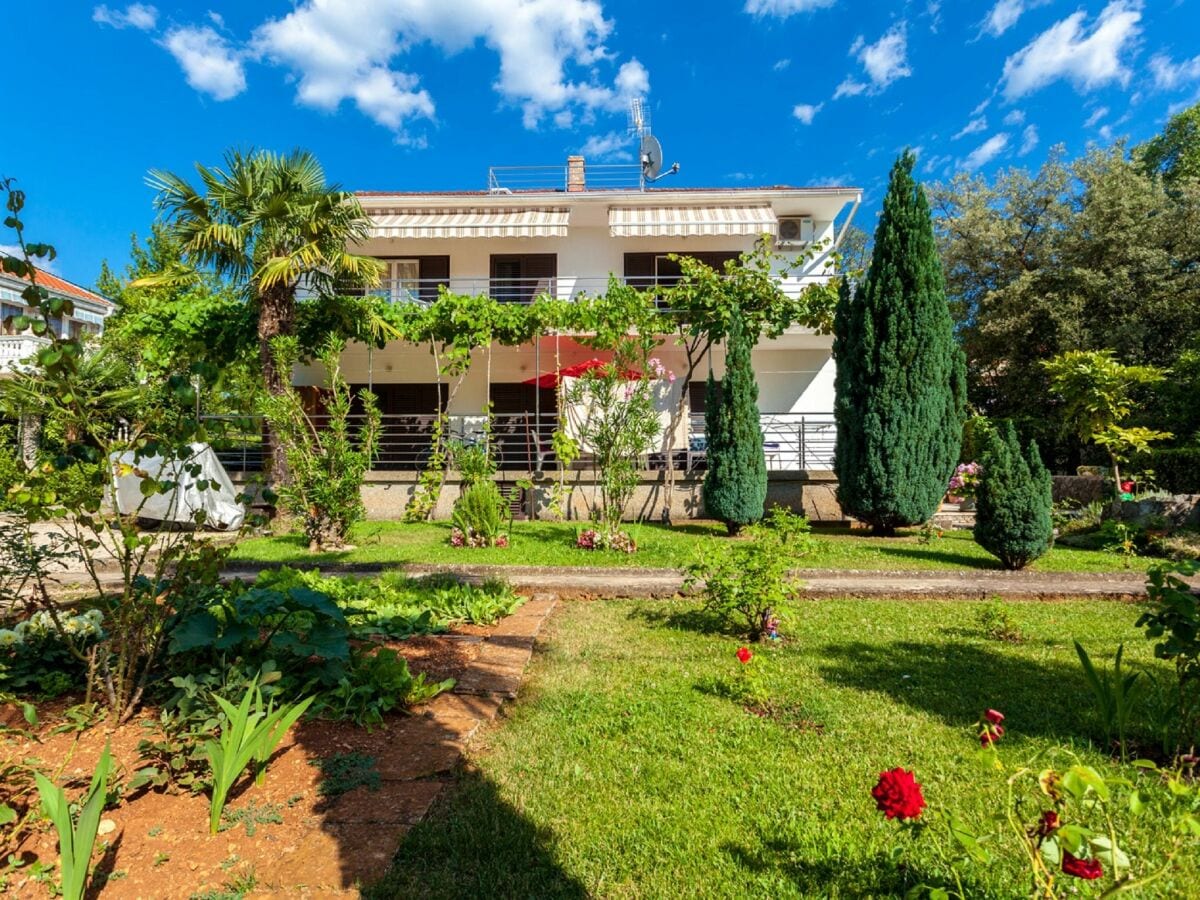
[523,441]
[423,291]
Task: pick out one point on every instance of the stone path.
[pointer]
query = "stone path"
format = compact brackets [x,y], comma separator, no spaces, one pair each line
[359,831]
[819,583]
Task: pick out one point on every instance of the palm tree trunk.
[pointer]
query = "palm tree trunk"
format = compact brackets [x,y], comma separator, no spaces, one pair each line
[276,317]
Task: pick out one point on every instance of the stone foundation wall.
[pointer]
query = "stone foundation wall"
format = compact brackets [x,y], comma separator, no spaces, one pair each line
[813,494]
[1081,489]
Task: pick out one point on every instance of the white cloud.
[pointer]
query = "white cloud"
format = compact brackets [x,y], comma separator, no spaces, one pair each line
[782,64]
[1169,75]
[210,64]
[1088,59]
[781,9]
[1014,118]
[549,54]
[614,146]
[849,88]
[1096,117]
[806,112]
[985,152]
[1029,140]
[43,264]
[973,127]
[886,60]
[981,106]
[135,15]
[1005,13]
[933,10]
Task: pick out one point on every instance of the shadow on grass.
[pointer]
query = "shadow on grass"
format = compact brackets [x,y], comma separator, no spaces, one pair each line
[856,876]
[948,558]
[473,844]
[693,618]
[957,682]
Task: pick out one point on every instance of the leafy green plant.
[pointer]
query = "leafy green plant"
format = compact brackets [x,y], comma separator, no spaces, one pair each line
[343,772]
[376,684]
[251,816]
[76,838]
[747,583]
[996,621]
[1116,694]
[479,517]
[327,458]
[473,462]
[1172,620]
[249,736]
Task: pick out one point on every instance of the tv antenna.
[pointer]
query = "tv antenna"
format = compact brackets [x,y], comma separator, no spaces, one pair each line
[649,149]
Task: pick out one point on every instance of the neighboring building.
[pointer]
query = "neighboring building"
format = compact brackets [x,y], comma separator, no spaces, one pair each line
[565,237]
[90,312]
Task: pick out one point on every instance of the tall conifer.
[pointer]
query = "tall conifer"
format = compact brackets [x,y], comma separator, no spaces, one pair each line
[900,374]
[1014,500]
[735,484]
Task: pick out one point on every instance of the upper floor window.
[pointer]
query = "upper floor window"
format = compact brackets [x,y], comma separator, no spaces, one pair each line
[8,312]
[519,277]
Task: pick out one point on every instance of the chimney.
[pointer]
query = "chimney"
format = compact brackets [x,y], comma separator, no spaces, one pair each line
[575,176]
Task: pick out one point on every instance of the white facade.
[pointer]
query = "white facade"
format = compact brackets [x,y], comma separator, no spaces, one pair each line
[88,317]
[570,242]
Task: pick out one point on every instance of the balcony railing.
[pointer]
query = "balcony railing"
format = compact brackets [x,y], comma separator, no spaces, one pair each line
[553,179]
[15,348]
[424,291]
[523,441]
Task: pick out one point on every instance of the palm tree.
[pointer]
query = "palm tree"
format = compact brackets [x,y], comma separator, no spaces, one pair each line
[272,225]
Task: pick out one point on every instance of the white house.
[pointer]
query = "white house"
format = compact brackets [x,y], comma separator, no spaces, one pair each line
[90,312]
[564,231]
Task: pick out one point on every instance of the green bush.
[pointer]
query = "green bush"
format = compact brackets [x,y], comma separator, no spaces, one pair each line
[735,483]
[377,683]
[12,470]
[479,517]
[1013,501]
[35,658]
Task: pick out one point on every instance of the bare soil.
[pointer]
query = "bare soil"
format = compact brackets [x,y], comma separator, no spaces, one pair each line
[284,837]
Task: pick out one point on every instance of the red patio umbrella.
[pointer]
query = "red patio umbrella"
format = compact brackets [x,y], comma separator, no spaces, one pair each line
[551,379]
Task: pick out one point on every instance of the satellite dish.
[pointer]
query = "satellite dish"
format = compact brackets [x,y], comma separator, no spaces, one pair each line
[651,156]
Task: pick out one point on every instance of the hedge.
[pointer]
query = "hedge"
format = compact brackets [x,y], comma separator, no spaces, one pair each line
[1176,469]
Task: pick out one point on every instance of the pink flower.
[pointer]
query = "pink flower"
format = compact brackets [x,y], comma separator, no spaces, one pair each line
[994,716]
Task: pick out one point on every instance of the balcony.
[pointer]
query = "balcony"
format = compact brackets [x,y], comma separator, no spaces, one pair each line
[17,348]
[522,442]
[525,291]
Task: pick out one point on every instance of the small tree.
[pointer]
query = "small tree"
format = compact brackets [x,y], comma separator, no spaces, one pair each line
[620,425]
[327,459]
[1097,397]
[735,484]
[1013,501]
[900,374]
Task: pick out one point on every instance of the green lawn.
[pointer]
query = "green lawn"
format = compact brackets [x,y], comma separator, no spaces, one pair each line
[620,772]
[552,544]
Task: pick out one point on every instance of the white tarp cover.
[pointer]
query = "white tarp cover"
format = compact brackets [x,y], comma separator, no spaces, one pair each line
[666,400]
[219,500]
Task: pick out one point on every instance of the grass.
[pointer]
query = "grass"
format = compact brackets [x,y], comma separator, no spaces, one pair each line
[621,772]
[553,544]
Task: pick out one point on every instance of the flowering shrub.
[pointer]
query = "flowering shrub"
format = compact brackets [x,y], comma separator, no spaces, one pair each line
[1061,818]
[468,538]
[605,539]
[963,482]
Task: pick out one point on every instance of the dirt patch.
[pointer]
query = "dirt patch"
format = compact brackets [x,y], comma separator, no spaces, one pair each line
[288,836]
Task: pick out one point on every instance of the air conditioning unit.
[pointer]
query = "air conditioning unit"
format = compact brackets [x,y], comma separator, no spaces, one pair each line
[795,230]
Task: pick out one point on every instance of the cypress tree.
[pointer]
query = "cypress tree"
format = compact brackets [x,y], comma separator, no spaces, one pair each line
[901,383]
[1013,501]
[735,484]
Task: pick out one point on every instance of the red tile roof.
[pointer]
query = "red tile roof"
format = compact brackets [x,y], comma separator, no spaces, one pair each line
[53,283]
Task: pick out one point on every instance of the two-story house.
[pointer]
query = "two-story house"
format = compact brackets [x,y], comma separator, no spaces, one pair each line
[563,231]
[90,312]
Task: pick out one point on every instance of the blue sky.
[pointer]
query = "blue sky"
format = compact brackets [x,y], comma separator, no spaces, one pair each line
[426,94]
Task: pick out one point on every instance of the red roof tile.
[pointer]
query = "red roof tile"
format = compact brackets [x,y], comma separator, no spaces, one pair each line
[53,283]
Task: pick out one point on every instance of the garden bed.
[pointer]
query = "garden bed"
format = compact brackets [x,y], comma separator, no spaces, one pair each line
[305,828]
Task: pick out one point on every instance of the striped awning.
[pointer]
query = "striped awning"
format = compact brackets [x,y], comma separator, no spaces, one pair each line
[469,223]
[691,221]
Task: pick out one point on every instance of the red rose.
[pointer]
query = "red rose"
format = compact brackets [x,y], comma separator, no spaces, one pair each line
[1087,869]
[744,655]
[1049,823]
[990,734]
[898,795]
[994,716]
